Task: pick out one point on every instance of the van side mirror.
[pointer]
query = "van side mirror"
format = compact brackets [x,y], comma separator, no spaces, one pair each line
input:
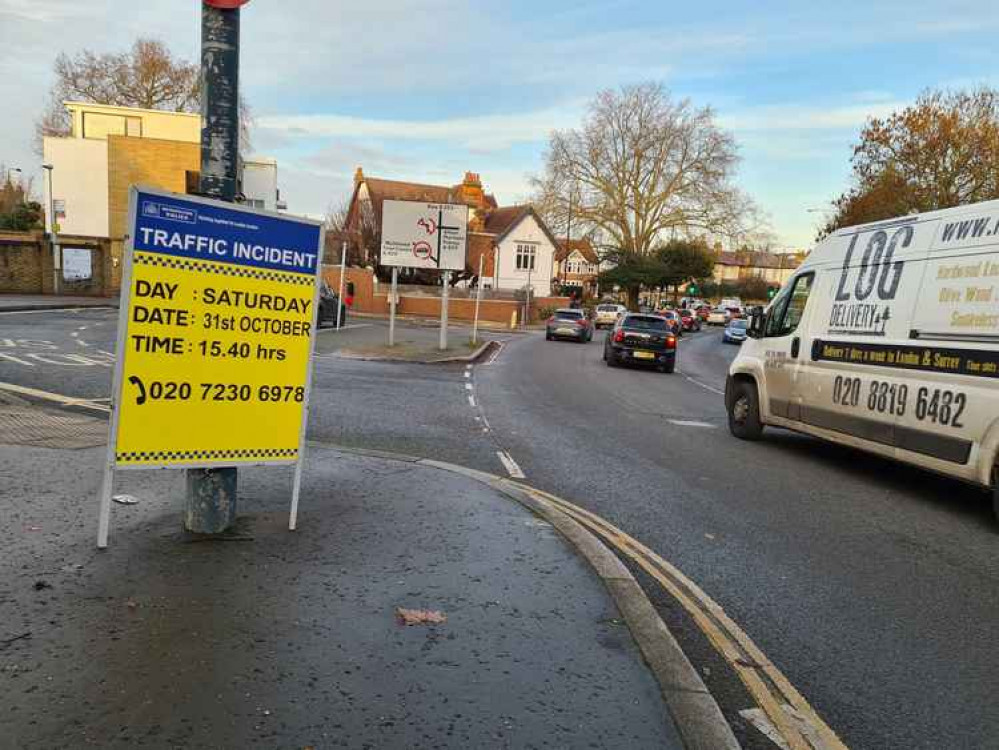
[757,323]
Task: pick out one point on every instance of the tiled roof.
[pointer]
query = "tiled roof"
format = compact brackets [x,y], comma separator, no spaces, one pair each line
[501,219]
[567,247]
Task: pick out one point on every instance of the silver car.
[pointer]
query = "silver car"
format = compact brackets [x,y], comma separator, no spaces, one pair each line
[607,314]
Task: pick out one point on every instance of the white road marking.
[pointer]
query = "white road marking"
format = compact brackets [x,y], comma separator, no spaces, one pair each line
[758,719]
[81,342]
[56,310]
[690,423]
[468,373]
[471,401]
[74,334]
[510,465]
[56,397]
[698,383]
[468,386]
[495,354]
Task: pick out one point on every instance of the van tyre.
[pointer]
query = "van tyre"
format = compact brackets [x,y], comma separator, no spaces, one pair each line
[744,412]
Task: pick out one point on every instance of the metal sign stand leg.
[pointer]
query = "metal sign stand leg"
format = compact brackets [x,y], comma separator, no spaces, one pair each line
[395,292]
[104,517]
[444,299]
[297,485]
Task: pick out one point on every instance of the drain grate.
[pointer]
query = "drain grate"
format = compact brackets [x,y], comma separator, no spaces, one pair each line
[45,429]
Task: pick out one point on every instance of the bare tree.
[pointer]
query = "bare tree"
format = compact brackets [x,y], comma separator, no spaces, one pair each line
[643,164]
[148,76]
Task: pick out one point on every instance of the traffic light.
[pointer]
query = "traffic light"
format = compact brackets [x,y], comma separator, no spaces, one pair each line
[772,292]
[692,289]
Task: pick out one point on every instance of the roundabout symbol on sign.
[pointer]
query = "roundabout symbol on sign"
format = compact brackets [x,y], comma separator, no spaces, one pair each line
[422,250]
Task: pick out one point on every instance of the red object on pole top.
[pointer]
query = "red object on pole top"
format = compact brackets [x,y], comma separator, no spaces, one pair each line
[226,4]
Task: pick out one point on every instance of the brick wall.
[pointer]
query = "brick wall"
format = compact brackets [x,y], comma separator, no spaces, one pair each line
[142,161]
[20,263]
[428,305]
[26,265]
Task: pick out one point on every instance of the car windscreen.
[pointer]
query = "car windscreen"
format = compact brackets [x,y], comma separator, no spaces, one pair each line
[645,322]
[568,314]
[606,308]
[741,323]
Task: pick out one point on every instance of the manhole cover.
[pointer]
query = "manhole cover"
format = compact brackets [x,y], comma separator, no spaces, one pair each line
[45,429]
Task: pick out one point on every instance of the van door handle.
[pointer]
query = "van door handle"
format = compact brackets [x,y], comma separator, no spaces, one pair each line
[795,347]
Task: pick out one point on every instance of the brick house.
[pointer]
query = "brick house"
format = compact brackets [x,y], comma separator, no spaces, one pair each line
[514,243]
[577,265]
[774,268]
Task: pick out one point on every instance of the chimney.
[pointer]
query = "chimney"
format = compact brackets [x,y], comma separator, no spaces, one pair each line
[472,180]
[358,177]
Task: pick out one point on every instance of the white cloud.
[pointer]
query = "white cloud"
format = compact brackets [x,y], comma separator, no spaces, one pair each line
[486,132]
[795,117]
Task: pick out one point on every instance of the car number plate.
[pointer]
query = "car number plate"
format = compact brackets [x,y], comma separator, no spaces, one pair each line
[565,331]
[644,355]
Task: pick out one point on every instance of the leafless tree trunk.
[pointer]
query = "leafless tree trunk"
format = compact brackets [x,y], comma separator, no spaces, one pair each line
[148,76]
[640,165]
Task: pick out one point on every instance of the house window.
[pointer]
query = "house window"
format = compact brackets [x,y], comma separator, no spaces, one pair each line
[525,257]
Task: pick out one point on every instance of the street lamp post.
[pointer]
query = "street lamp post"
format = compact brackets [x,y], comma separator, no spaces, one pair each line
[53,234]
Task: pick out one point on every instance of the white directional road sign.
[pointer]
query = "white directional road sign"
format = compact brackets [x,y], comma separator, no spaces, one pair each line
[424,235]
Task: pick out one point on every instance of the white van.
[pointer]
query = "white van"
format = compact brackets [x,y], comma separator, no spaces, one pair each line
[886,339]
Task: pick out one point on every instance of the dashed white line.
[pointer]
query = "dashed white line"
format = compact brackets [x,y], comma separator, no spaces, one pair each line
[468,373]
[510,465]
[468,386]
[471,401]
[702,385]
[689,423]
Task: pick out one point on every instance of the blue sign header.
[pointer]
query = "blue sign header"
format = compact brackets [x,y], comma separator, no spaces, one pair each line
[212,230]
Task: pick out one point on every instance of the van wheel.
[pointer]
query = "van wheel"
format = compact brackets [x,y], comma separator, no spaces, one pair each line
[744,413]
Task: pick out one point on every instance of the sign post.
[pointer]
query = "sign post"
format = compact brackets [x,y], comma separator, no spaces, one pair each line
[215,338]
[392,304]
[446,278]
[478,301]
[425,235]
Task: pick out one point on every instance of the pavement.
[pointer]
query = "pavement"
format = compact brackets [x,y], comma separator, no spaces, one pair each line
[367,339]
[288,639]
[23,302]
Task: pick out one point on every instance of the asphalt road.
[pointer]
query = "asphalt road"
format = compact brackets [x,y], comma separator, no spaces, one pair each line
[871,585]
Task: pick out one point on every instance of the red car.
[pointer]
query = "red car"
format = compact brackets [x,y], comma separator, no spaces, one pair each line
[689,320]
[675,321]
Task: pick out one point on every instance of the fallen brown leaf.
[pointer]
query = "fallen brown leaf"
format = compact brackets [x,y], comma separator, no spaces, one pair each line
[420,616]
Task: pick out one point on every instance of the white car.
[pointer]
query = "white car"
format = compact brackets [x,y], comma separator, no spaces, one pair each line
[718,317]
[607,314]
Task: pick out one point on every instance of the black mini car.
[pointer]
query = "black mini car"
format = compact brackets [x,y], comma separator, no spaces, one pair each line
[641,340]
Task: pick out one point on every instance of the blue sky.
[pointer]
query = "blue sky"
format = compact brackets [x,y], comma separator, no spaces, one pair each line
[427,89]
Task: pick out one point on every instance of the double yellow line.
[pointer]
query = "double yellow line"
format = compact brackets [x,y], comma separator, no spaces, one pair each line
[787,710]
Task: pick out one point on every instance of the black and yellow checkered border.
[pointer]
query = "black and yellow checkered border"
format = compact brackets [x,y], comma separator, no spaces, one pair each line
[241,454]
[223,269]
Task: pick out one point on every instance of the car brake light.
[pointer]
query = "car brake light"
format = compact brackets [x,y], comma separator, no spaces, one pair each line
[670,342]
[619,336]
